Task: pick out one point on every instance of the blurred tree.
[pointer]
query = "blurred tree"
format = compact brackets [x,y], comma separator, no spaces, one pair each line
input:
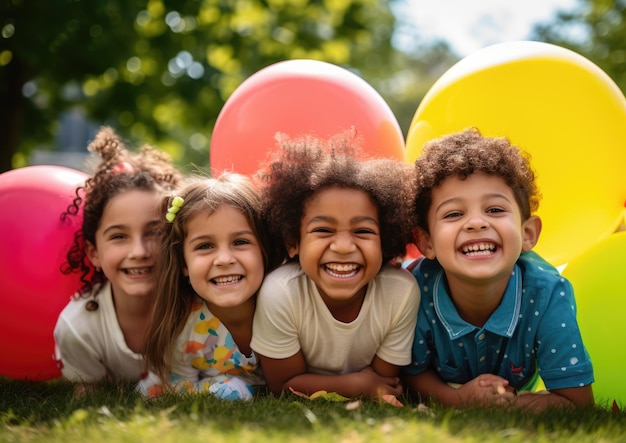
[159,71]
[48,50]
[596,29]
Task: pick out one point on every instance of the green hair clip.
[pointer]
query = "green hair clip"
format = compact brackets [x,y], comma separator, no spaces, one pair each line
[177,203]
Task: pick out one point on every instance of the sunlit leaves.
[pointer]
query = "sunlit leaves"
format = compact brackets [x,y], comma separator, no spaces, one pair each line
[596,30]
[161,70]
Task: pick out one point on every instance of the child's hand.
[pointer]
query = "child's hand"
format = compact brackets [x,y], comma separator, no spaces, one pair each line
[378,387]
[487,389]
[81,390]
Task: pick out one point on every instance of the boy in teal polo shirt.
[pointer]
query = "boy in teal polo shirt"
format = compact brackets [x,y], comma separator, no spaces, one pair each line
[493,314]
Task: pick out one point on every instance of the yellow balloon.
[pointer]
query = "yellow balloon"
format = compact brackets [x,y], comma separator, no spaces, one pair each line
[562,109]
[600,290]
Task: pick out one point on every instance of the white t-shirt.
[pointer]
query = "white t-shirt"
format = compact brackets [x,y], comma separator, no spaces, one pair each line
[90,344]
[291,316]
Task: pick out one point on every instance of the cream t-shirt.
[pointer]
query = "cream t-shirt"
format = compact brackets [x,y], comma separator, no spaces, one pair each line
[291,316]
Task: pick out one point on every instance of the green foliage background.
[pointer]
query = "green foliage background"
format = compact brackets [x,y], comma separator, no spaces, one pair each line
[160,71]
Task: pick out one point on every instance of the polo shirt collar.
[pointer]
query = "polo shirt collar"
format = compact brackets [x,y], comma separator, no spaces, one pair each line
[503,320]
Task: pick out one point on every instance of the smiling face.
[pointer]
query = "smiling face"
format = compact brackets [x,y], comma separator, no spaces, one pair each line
[223,257]
[126,242]
[339,248]
[476,230]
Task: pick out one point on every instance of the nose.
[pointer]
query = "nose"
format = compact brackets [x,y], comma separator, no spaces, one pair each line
[141,248]
[476,222]
[224,256]
[342,243]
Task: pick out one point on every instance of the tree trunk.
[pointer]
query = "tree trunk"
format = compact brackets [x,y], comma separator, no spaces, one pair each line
[12,78]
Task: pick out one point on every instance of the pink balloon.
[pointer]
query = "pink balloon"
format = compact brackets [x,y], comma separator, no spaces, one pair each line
[300,97]
[33,291]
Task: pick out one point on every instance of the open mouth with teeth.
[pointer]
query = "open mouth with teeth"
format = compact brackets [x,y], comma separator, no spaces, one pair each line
[226,280]
[342,270]
[138,271]
[479,249]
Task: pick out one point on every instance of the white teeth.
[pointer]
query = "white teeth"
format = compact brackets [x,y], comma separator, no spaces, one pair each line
[337,267]
[338,270]
[138,271]
[478,249]
[227,280]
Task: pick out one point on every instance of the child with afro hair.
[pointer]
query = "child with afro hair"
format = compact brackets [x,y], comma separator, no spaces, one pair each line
[337,316]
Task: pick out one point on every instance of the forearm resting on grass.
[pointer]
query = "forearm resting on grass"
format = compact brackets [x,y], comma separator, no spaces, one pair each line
[491,390]
[291,373]
[484,390]
[579,397]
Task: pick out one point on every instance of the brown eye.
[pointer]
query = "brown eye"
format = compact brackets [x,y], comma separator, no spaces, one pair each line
[321,230]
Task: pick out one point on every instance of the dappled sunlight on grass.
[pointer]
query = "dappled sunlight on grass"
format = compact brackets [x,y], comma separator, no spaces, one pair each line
[47,411]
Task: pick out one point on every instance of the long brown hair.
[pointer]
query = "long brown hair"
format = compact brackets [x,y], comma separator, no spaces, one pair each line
[174,295]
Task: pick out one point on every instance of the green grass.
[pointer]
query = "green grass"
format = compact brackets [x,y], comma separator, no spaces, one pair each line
[47,412]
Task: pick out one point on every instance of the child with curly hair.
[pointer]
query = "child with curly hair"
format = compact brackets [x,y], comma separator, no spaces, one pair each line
[214,255]
[337,317]
[493,315]
[100,334]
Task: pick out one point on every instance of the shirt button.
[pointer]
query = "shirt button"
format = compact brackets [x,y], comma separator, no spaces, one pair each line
[481,336]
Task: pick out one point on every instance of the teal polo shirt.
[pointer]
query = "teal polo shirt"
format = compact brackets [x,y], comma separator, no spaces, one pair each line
[533,331]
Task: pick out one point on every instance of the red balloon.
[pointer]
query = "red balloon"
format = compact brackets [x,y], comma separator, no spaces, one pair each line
[300,97]
[33,291]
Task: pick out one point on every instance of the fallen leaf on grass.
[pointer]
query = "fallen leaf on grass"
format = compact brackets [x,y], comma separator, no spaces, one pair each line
[330,396]
[392,400]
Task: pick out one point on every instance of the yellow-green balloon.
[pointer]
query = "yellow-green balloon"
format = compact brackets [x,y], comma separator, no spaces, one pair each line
[562,109]
[598,277]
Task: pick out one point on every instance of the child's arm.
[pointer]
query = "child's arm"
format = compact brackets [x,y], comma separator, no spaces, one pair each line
[492,390]
[78,359]
[570,397]
[77,369]
[484,390]
[282,374]
[429,385]
[383,368]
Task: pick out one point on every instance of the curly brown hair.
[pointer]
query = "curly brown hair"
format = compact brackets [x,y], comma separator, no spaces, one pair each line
[304,166]
[118,171]
[466,152]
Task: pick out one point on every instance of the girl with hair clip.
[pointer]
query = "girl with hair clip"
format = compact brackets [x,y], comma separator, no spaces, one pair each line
[100,334]
[214,256]
[338,316]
